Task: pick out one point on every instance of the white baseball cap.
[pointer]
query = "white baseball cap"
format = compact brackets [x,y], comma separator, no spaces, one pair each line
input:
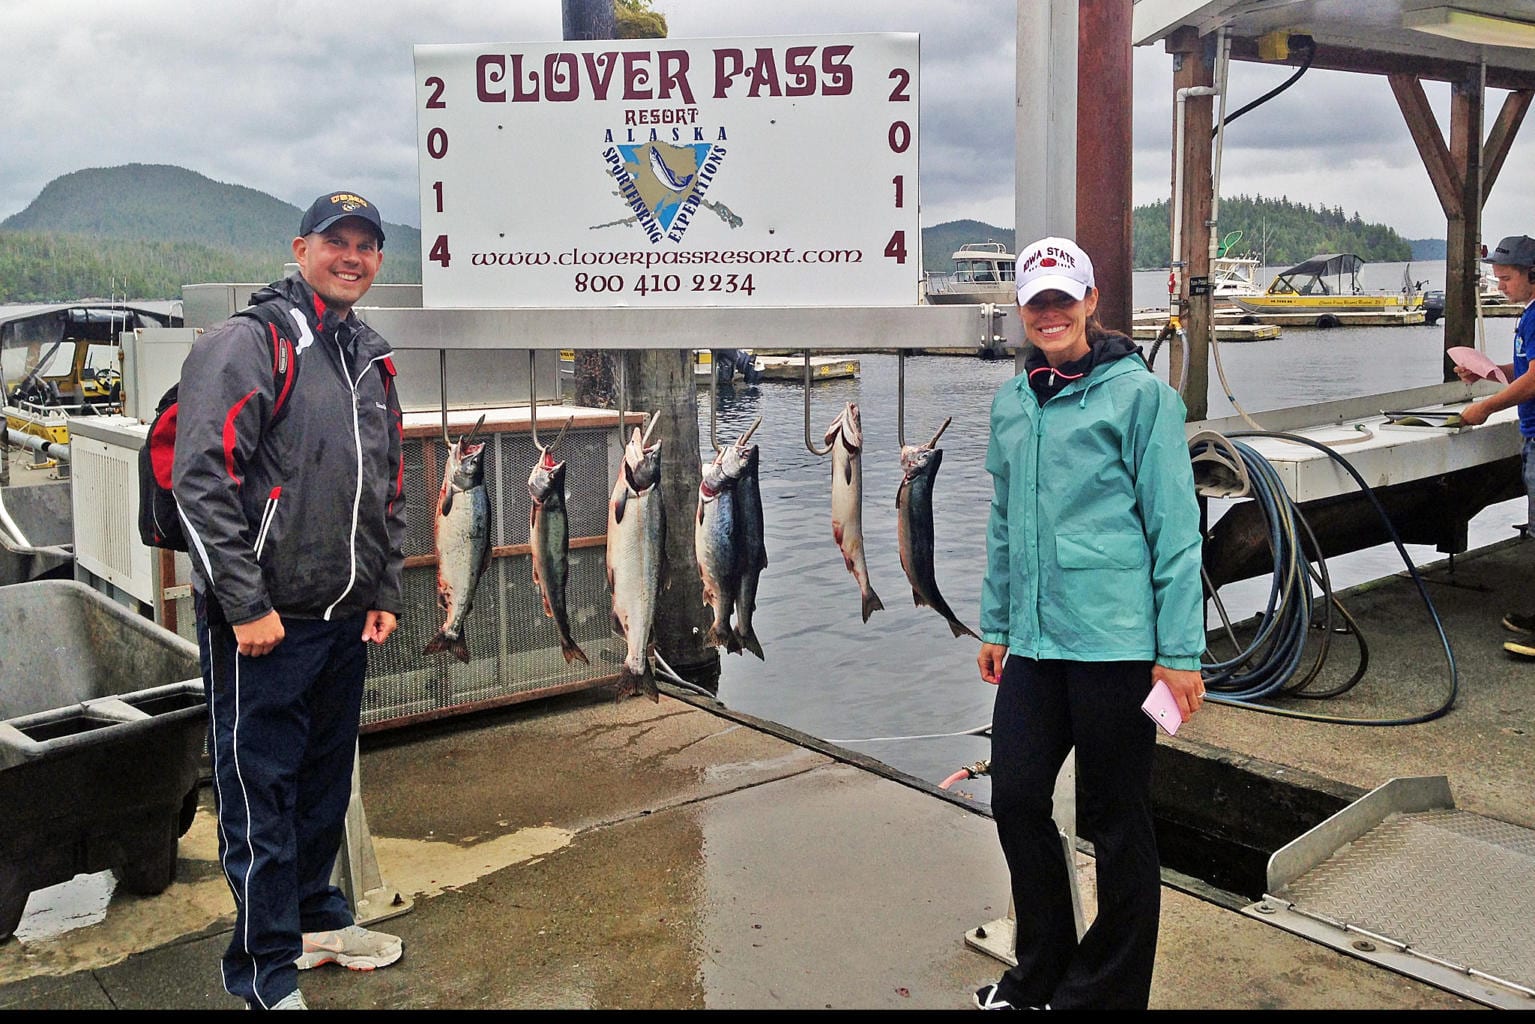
[1053,264]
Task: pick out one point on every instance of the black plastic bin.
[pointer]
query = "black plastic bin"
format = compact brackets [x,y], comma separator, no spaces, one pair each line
[102,729]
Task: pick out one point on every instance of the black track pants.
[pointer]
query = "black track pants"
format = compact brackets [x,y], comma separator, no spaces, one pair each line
[1043,709]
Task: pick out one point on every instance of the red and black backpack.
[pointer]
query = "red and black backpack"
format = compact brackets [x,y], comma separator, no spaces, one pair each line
[159,524]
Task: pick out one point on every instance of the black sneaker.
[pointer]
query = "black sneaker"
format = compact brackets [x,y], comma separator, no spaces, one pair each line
[1516,623]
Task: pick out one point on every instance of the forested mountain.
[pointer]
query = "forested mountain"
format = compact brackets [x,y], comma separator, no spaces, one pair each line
[1282,231]
[940,243]
[147,229]
[1278,230]
[144,230]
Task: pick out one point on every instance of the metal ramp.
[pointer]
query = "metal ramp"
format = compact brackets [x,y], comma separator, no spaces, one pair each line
[1403,879]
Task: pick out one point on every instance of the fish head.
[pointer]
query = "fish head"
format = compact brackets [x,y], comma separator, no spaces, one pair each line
[642,466]
[732,461]
[712,480]
[466,463]
[917,459]
[849,425]
[548,477]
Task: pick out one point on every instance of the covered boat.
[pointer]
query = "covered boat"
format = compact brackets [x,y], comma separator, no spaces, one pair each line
[1327,283]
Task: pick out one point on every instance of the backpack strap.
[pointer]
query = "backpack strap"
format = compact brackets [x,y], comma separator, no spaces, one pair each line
[275,315]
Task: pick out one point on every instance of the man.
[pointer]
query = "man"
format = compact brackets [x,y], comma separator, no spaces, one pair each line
[288,480]
[1513,264]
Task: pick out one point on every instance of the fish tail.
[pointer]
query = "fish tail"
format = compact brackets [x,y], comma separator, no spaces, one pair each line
[723,636]
[956,627]
[960,629]
[443,642]
[749,640]
[871,603]
[572,652]
[632,683]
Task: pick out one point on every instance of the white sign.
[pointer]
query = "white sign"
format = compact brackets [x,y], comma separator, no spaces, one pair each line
[660,172]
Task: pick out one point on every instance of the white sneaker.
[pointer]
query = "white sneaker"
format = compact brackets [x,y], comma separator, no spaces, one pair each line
[292,1001]
[353,947]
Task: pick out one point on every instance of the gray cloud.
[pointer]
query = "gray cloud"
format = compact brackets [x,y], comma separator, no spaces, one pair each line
[293,96]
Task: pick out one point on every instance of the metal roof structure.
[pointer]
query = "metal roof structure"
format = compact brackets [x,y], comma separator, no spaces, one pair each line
[1366,35]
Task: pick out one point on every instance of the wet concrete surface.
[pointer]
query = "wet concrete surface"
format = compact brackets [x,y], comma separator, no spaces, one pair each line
[585,854]
[577,853]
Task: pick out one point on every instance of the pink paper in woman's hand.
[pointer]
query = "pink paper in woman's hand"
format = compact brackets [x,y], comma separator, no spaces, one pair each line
[1477,362]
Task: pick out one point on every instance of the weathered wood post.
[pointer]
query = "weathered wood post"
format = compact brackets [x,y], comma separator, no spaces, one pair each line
[663,381]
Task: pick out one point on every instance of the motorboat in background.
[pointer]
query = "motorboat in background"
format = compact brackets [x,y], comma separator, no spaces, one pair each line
[1329,283]
[983,272]
[1233,277]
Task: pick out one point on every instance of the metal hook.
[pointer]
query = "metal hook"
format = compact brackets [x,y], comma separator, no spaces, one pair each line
[442,369]
[714,404]
[623,386]
[808,442]
[900,397]
[533,412]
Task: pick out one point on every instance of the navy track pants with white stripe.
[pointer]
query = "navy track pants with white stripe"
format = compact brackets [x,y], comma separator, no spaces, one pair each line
[283,732]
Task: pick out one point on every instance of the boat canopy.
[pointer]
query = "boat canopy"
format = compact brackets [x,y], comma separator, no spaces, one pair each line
[1311,277]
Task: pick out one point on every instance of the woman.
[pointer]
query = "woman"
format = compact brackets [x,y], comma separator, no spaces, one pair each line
[1092,593]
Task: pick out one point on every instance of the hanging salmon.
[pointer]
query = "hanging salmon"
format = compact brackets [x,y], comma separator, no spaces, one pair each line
[845,436]
[636,546]
[914,513]
[549,536]
[462,532]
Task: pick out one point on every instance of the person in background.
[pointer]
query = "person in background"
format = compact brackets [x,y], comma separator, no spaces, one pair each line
[296,525]
[1092,593]
[1513,265]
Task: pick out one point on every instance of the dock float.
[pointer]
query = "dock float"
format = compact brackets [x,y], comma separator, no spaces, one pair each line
[1223,332]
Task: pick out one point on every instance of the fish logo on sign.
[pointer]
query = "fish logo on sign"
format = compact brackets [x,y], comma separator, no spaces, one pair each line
[663,184]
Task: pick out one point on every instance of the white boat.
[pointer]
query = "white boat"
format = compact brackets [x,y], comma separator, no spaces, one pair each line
[1234,277]
[983,272]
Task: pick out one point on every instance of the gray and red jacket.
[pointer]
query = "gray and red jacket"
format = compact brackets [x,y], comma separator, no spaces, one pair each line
[304,514]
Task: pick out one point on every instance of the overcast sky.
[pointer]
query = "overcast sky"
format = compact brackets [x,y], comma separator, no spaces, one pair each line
[291,97]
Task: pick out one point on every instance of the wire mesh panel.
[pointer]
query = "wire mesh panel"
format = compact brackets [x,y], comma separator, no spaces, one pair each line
[514,651]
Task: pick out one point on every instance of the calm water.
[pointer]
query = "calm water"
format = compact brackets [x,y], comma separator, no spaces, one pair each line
[902,674]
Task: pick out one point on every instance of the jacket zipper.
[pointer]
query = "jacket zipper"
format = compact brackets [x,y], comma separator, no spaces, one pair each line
[267,515]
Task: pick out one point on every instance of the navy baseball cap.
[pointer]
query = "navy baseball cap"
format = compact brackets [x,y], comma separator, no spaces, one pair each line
[1513,251]
[334,206]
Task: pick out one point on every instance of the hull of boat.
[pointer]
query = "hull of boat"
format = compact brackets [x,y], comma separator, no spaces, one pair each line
[970,293]
[1321,303]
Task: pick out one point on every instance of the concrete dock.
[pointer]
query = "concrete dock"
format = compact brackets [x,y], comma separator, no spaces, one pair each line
[577,853]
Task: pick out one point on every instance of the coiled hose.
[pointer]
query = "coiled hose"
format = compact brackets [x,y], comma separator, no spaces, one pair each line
[1269,665]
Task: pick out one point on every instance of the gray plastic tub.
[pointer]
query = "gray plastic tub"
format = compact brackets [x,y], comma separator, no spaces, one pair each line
[43,513]
[102,728]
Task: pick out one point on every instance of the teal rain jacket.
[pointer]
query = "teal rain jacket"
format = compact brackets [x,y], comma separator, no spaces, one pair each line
[1093,545]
